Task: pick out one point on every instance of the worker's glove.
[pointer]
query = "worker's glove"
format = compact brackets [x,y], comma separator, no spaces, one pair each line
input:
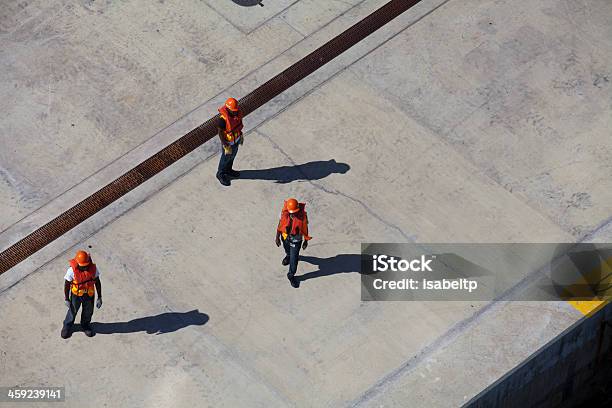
[99,303]
[227,149]
[67,303]
[304,244]
[278,241]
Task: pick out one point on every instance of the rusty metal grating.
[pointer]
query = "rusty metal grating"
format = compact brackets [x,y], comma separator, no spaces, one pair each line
[195,138]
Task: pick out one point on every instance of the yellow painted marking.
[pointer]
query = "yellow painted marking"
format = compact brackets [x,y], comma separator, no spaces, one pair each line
[588,307]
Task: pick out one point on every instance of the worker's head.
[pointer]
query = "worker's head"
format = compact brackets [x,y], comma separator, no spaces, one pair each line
[232,106]
[82,259]
[292,206]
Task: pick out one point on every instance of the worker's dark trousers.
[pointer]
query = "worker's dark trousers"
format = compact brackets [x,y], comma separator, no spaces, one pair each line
[88,309]
[226,161]
[292,249]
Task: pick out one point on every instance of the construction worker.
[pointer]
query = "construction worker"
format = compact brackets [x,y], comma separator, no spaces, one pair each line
[292,227]
[230,132]
[82,280]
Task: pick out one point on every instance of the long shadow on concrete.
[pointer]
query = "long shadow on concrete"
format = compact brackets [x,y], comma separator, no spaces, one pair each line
[314,170]
[343,263]
[159,324]
[249,3]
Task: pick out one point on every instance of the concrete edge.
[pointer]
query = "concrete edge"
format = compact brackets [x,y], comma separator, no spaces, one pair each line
[599,313]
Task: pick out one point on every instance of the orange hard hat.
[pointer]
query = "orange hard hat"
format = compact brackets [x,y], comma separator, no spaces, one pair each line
[292,206]
[231,104]
[82,258]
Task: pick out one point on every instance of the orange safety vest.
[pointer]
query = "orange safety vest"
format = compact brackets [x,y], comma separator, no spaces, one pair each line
[83,281]
[233,125]
[299,225]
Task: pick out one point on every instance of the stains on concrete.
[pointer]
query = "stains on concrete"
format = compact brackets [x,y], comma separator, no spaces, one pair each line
[580,201]
[487,26]
[21,192]
[97,6]
[570,87]
[601,80]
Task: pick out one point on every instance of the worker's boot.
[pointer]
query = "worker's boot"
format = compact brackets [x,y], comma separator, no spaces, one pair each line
[89,332]
[66,332]
[234,173]
[285,261]
[294,282]
[223,179]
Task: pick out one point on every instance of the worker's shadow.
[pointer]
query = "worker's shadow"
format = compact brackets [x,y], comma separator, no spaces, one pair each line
[343,263]
[248,3]
[314,170]
[159,324]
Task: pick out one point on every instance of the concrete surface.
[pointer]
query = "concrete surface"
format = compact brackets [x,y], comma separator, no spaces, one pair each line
[474,121]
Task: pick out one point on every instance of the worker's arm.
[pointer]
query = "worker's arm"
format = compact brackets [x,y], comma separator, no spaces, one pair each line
[221,138]
[99,290]
[305,232]
[98,287]
[66,290]
[278,229]
[221,130]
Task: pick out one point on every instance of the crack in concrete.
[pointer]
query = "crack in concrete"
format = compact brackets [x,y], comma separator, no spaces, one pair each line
[368,209]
